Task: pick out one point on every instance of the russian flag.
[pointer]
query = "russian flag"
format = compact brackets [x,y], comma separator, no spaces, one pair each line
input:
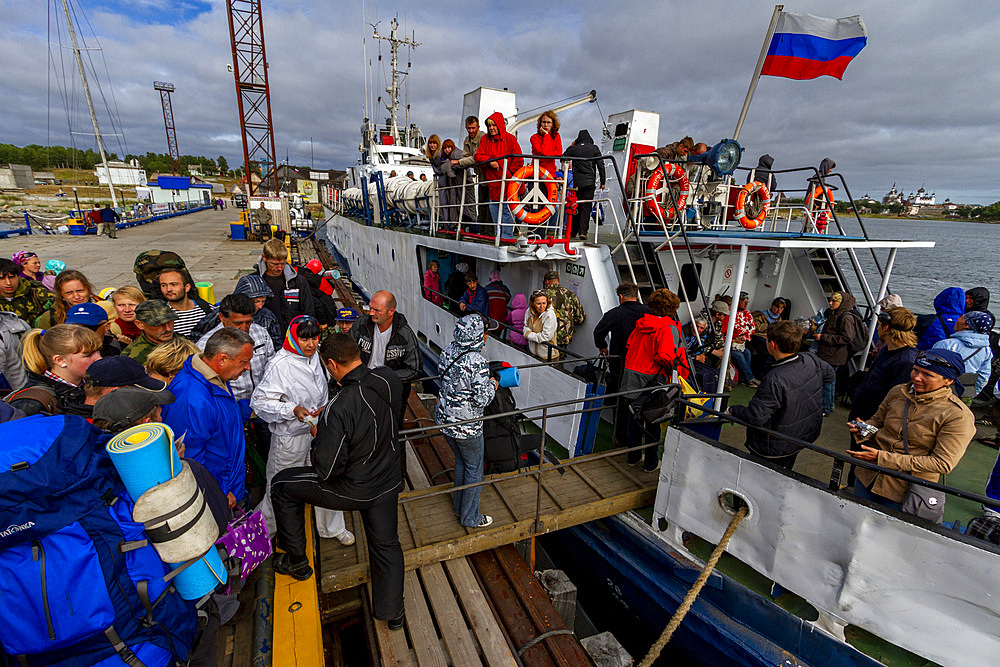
[806,46]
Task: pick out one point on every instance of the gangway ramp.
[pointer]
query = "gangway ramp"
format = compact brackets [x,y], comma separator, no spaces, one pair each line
[576,491]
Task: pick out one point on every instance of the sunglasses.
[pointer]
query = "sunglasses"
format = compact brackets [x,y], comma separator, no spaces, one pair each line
[933,359]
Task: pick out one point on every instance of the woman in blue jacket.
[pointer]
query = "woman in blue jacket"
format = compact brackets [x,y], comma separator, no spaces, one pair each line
[949,305]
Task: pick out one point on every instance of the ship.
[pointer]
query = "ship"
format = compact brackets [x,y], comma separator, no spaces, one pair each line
[701,227]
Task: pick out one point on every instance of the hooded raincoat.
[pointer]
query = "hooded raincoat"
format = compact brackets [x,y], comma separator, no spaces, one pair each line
[515,318]
[838,332]
[655,349]
[466,387]
[494,148]
[949,305]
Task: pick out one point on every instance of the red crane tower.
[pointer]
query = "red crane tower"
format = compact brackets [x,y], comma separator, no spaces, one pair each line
[168,122]
[253,95]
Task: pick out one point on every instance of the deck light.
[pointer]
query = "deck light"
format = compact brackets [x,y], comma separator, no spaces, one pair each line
[723,157]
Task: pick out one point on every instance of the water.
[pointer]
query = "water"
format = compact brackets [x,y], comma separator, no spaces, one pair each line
[965,255]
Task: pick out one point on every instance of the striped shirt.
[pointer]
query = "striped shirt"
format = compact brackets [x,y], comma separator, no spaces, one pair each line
[187,319]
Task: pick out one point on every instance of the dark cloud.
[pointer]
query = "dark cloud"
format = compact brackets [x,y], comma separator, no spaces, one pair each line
[917,106]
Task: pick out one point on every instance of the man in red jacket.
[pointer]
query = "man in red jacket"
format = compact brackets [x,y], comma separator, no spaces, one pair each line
[497,143]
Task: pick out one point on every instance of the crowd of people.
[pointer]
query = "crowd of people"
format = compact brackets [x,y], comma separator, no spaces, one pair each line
[323,399]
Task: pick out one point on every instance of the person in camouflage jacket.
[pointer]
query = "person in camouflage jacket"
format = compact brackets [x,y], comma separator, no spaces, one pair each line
[569,310]
[25,298]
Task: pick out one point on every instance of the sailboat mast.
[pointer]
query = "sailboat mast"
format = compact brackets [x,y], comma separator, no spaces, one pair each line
[90,104]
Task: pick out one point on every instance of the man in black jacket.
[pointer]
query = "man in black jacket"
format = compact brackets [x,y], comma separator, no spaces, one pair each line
[789,399]
[620,323]
[386,339]
[356,464]
[291,295]
[584,178]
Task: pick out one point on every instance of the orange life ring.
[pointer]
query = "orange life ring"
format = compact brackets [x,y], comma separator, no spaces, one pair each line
[758,188]
[817,192]
[653,191]
[519,208]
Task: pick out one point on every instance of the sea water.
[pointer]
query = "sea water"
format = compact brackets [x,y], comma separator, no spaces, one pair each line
[965,255]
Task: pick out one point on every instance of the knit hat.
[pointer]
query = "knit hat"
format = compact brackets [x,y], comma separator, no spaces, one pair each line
[946,363]
[890,301]
[979,322]
[836,296]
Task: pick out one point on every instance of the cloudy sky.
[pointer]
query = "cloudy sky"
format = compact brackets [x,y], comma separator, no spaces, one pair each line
[918,106]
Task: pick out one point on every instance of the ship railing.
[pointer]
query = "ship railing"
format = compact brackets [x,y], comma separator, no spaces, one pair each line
[547,460]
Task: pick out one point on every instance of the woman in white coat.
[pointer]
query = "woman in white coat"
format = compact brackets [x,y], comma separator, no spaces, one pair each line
[292,393]
[540,325]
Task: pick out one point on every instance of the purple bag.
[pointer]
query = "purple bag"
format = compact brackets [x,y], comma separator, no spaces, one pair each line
[248,541]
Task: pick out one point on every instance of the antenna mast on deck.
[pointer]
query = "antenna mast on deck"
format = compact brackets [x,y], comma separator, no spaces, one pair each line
[90,104]
[393,89]
[168,122]
[253,94]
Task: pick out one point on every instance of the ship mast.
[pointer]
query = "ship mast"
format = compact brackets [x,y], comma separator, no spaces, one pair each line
[90,104]
[393,89]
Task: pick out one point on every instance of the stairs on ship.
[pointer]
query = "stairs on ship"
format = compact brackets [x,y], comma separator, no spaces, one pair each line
[638,259]
[831,278]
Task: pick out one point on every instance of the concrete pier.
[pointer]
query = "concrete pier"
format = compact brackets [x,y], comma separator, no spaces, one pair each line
[202,239]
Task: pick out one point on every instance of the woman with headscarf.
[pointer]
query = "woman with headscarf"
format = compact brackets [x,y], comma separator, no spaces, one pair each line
[971,341]
[291,395]
[466,389]
[31,266]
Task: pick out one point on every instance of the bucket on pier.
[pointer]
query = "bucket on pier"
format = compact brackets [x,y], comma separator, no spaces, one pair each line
[206,291]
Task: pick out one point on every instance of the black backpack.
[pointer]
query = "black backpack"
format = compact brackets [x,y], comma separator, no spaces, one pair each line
[860,339]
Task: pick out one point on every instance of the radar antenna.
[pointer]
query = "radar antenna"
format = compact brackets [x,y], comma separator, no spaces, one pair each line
[393,89]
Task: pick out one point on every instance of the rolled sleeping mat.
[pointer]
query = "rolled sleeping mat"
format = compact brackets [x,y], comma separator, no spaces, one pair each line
[145,457]
[176,518]
[509,377]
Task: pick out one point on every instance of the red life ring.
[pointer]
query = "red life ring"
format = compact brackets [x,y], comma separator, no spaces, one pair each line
[519,208]
[819,198]
[752,188]
[654,190]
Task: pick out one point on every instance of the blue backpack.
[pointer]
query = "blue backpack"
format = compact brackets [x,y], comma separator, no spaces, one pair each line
[78,586]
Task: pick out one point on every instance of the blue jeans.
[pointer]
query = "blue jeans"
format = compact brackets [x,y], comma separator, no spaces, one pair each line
[507,221]
[863,492]
[829,389]
[741,359]
[468,470]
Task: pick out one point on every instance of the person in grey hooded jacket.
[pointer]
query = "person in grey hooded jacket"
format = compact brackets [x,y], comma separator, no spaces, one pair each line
[11,367]
[466,389]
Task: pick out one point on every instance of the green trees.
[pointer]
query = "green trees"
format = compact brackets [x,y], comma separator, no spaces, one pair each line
[42,158]
[223,165]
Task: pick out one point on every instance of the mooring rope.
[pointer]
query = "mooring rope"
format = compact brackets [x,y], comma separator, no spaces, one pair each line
[675,622]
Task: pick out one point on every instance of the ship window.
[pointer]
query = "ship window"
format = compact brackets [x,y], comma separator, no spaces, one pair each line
[376,248]
[688,290]
[621,129]
[394,254]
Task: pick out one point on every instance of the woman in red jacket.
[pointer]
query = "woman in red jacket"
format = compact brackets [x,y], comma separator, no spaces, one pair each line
[497,143]
[547,141]
[655,350]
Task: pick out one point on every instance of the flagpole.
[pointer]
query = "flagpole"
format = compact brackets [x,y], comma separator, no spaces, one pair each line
[756,72]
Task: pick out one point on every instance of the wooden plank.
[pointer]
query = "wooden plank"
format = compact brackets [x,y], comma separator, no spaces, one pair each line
[623,470]
[423,636]
[496,652]
[298,634]
[499,535]
[507,501]
[458,640]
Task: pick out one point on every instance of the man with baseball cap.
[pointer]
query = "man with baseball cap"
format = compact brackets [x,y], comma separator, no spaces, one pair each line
[346,317]
[130,406]
[155,319]
[110,373]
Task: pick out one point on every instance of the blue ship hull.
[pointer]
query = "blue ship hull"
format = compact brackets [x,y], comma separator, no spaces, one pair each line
[643,584]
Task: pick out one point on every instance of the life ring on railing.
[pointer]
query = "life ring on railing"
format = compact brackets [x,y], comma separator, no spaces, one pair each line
[819,198]
[653,191]
[520,208]
[750,189]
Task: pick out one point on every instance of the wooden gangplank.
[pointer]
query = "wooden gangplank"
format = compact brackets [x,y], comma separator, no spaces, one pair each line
[429,532]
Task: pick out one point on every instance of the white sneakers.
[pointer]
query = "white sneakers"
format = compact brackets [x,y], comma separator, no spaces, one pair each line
[486,521]
[346,538]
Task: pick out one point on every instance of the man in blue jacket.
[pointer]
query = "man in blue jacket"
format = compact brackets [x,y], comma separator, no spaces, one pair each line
[475,299]
[206,412]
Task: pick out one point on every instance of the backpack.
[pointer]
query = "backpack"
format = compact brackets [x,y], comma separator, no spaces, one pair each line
[860,340]
[924,321]
[78,582]
[40,393]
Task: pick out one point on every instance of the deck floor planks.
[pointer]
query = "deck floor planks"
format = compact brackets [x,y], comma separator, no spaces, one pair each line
[458,640]
[423,635]
[444,538]
[298,633]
